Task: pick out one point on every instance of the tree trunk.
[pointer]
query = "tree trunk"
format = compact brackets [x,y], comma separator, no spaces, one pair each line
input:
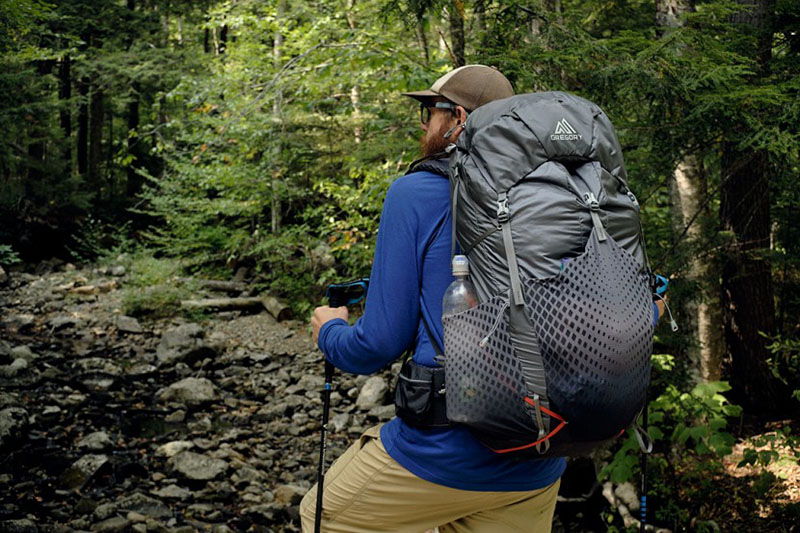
[422,38]
[702,317]
[37,134]
[456,15]
[223,39]
[747,294]
[134,183]
[747,297]
[64,94]
[96,119]
[83,128]
[355,97]
[275,208]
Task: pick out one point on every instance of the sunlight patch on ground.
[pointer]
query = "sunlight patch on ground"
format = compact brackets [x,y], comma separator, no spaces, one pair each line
[786,468]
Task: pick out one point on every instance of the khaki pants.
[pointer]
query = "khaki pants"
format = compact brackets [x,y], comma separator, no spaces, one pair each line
[368,491]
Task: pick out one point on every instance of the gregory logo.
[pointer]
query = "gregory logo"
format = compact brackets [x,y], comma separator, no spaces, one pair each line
[565,132]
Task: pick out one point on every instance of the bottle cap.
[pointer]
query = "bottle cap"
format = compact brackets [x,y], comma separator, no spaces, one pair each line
[460,265]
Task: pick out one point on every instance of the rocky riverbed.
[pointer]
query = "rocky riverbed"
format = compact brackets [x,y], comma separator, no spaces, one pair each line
[109,423]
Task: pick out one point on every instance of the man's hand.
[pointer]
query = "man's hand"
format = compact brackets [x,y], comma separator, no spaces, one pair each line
[325,314]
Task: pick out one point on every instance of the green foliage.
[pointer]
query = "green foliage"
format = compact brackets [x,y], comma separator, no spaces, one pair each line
[785,361]
[8,256]
[155,287]
[680,422]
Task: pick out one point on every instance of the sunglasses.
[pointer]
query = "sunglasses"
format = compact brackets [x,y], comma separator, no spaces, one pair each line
[425,110]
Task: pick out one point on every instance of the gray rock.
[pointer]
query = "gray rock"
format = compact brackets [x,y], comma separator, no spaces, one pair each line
[128,324]
[19,526]
[98,364]
[144,505]
[264,512]
[62,322]
[82,470]
[182,343]
[627,493]
[290,494]
[104,511]
[112,525]
[197,466]
[340,421]
[308,382]
[382,412]
[372,393]
[141,369]
[117,270]
[172,492]
[8,399]
[173,448]
[13,425]
[19,322]
[9,371]
[246,473]
[96,442]
[189,391]
[23,352]
[3,276]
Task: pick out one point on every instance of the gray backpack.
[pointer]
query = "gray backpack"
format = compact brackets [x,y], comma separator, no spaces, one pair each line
[555,360]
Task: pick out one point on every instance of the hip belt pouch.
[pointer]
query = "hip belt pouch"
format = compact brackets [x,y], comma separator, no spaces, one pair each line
[419,395]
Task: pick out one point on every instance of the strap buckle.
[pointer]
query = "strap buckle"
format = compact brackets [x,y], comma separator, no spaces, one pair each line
[503,213]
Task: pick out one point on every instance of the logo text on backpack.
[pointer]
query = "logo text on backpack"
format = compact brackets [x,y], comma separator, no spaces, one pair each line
[565,132]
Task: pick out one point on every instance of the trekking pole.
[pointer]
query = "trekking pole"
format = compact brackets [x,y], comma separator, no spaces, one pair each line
[326,409]
[338,294]
[643,466]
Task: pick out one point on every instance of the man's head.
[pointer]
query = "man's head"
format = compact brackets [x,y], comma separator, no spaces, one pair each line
[445,106]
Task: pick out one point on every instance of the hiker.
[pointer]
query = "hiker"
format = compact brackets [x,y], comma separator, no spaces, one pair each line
[411,475]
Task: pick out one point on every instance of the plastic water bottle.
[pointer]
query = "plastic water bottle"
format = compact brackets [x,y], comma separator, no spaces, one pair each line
[460,295]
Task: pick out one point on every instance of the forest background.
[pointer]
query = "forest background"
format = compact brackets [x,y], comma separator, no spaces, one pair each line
[214,135]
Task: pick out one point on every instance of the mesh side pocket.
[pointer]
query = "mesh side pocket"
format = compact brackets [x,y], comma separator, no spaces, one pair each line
[485,385]
[594,322]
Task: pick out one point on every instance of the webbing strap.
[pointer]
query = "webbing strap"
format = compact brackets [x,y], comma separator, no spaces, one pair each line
[504,217]
[546,438]
[645,442]
[453,210]
[594,208]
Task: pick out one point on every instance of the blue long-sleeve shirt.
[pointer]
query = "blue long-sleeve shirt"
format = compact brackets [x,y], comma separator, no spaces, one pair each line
[410,274]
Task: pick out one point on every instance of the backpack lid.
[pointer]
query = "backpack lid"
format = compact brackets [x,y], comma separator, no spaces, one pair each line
[507,139]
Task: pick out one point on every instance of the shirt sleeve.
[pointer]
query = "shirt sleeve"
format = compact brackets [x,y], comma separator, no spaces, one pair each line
[389,324]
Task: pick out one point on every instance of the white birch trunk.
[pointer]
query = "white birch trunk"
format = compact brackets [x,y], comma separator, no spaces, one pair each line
[703,312]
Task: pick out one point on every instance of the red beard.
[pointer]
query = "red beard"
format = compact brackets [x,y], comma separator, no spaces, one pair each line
[433,142]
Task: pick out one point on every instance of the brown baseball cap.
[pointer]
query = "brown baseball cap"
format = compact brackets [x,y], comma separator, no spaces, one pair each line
[469,86]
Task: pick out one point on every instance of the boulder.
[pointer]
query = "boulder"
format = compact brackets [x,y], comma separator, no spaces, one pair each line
[183,343]
[128,324]
[189,391]
[197,466]
[112,525]
[18,526]
[19,322]
[96,442]
[173,448]
[173,492]
[83,470]
[13,425]
[23,352]
[373,393]
[143,505]
[290,494]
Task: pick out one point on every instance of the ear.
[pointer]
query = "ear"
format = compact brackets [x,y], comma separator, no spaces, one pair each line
[461,114]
